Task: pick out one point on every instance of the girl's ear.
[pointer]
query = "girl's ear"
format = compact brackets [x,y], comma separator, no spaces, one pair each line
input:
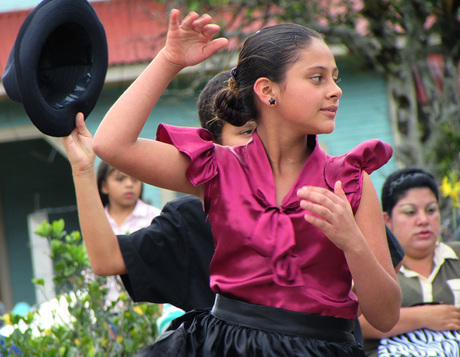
[104,189]
[265,90]
[387,220]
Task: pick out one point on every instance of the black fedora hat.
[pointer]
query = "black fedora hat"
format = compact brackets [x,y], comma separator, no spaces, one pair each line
[58,64]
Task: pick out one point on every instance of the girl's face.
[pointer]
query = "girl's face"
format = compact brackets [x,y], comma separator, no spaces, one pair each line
[237,135]
[122,190]
[416,222]
[309,95]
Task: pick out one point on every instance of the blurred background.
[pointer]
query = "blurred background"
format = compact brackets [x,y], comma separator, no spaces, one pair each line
[399,69]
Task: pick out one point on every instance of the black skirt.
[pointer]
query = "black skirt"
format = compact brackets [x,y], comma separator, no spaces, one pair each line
[235,328]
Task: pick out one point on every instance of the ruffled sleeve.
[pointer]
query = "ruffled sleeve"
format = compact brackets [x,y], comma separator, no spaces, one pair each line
[197,144]
[367,156]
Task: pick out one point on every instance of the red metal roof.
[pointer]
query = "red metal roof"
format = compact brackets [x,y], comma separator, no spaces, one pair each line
[134,29]
[135,33]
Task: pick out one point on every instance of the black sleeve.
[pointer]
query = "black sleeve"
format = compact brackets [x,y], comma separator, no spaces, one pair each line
[396,250]
[168,262]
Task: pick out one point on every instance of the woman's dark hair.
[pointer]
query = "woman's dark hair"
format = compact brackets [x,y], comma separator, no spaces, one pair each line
[103,171]
[208,118]
[268,53]
[399,182]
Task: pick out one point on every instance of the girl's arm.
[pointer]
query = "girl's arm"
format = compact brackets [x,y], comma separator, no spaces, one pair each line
[363,241]
[117,139]
[101,243]
[370,264]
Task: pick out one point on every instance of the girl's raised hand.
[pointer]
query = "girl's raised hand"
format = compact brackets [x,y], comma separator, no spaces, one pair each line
[78,146]
[189,42]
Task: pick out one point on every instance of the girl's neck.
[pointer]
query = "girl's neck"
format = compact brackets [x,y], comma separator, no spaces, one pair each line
[287,156]
[284,151]
[119,213]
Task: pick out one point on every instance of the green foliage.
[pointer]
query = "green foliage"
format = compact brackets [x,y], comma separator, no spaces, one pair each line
[87,324]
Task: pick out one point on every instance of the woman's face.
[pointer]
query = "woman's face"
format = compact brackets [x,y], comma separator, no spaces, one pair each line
[416,222]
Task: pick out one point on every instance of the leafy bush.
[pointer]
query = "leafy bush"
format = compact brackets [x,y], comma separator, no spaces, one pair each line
[86,323]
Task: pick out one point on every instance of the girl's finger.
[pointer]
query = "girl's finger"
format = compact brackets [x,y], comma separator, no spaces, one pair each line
[338,190]
[321,197]
[202,22]
[79,120]
[173,20]
[210,30]
[214,46]
[187,22]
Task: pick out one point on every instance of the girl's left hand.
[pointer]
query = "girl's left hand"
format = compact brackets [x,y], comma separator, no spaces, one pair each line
[189,42]
[78,146]
[331,212]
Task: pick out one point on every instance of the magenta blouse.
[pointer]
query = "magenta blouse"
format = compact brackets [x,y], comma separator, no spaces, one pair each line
[265,254]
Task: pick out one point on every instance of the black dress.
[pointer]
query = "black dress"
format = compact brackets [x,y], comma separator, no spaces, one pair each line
[235,328]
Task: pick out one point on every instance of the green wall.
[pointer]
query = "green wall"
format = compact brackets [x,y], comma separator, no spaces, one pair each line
[31,178]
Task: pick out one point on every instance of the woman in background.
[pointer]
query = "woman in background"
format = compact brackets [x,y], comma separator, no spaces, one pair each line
[429,277]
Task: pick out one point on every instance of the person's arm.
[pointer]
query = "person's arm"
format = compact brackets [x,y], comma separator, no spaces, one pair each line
[434,317]
[100,241]
[373,274]
[363,241]
[117,139]
[168,261]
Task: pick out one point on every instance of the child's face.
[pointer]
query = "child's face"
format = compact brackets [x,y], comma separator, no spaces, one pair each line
[309,95]
[237,135]
[121,189]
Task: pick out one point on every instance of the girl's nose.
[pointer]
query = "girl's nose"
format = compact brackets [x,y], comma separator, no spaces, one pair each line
[335,91]
[129,181]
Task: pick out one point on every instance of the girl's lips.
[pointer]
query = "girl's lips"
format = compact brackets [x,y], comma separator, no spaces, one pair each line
[331,108]
[330,111]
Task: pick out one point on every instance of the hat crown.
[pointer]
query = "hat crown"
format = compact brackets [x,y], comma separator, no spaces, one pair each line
[63,69]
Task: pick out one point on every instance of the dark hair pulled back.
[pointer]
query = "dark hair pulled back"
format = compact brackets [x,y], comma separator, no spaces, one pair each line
[268,53]
[399,182]
[205,104]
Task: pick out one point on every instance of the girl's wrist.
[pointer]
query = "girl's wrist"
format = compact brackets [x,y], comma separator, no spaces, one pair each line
[169,62]
[87,172]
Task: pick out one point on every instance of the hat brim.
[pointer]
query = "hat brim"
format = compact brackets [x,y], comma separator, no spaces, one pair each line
[61,61]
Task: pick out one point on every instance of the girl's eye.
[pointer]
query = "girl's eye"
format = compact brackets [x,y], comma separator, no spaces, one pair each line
[247,132]
[337,80]
[317,78]
[409,212]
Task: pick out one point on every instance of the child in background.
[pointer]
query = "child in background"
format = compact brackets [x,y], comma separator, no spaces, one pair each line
[121,196]
[126,212]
